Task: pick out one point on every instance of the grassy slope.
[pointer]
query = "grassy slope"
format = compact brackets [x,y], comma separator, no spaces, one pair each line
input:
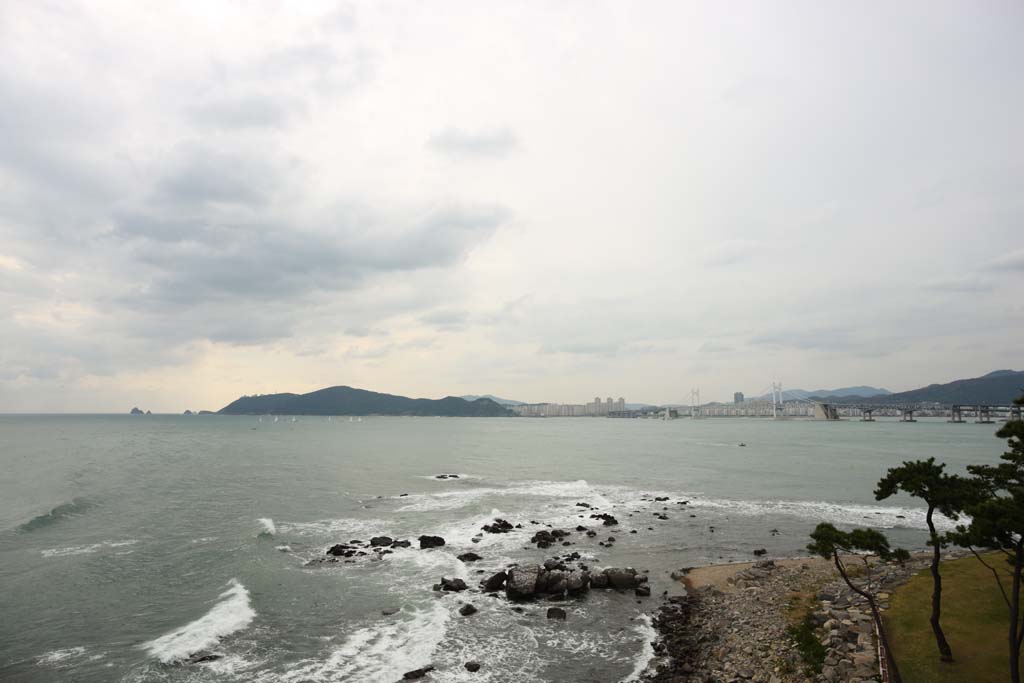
[974,618]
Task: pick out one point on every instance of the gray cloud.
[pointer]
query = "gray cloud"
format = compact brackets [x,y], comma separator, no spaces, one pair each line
[493,143]
[1012,261]
[731,252]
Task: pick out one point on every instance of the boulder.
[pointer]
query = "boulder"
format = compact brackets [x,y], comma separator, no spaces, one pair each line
[521,582]
[623,579]
[451,585]
[431,542]
[556,613]
[472,667]
[467,610]
[378,541]
[495,582]
[470,557]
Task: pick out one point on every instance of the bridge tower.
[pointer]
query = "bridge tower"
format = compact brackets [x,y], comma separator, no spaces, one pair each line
[984,415]
[956,413]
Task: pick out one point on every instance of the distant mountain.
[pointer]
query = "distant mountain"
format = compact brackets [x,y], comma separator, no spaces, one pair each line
[499,401]
[995,388]
[795,394]
[349,401]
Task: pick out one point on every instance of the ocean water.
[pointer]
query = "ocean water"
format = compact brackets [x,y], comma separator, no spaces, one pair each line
[128,544]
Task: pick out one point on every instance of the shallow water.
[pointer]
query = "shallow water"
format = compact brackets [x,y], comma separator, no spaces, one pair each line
[127,543]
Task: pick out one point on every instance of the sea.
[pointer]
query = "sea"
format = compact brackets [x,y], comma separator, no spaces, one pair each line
[128,544]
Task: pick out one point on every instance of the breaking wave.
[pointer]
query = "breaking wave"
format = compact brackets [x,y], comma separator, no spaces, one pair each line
[268,526]
[381,652]
[232,613]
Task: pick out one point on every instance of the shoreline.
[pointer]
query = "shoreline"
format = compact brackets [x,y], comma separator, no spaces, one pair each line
[737,621]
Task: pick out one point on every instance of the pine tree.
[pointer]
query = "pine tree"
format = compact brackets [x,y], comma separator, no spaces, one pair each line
[945,493]
[830,543]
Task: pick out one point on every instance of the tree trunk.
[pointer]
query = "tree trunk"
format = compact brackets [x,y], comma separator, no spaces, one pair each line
[945,651]
[1014,613]
[890,659]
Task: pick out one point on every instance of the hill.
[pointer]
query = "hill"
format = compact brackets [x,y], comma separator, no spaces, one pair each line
[350,401]
[795,394]
[995,388]
[499,401]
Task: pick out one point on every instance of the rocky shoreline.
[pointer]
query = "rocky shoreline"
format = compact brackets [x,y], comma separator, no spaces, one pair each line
[768,621]
[743,625]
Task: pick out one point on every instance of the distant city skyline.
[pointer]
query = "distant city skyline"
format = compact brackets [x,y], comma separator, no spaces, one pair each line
[536,200]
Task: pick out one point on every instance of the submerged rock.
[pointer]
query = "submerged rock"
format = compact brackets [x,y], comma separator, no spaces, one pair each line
[469,557]
[472,667]
[417,673]
[556,613]
[467,610]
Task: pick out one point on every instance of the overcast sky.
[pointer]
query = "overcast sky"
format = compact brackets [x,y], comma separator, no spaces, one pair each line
[544,201]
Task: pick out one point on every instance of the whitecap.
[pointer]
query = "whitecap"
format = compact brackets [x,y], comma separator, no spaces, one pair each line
[380,652]
[232,613]
[268,526]
[57,656]
[852,514]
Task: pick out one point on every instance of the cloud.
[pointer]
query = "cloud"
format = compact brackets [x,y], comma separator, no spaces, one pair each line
[715,347]
[1011,261]
[961,285]
[731,252]
[495,143]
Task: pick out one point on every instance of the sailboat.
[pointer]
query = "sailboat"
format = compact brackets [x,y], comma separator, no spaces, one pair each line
[350,419]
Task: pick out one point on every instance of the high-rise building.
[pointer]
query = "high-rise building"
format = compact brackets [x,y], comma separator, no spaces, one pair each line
[737,398]
[620,405]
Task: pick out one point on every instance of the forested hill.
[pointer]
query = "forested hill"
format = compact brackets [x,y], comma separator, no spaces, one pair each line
[349,401]
[995,388]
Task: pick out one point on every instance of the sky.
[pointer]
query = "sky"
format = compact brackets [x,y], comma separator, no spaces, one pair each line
[546,201]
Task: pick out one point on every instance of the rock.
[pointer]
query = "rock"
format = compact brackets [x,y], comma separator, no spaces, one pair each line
[446,476]
[495,582]
[203,656]
[470,557]
[624,578]
[608,520]
[136,411]
[521,582]
[467,610]
[556,613]
[401,544]
[642,591]
[417,673]
[472,667]
[452,585]
[500,526]
[378,541]
[430,542]
[760,551]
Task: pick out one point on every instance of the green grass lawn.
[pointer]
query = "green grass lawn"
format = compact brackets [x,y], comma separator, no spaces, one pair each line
[974,618]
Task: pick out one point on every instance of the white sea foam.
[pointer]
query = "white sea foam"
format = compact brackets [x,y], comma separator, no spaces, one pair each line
[884,517]
[452,500]
[350,528]
[268,526]
[233,612]
[86,549]
[648,634]
[57,656]
[380,652]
